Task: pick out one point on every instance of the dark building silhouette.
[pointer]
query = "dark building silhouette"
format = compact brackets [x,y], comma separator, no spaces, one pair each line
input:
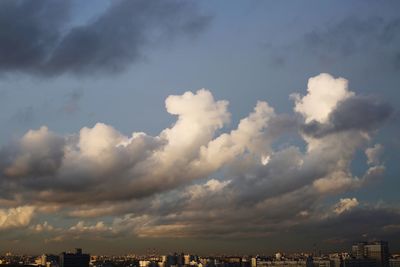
[231,262]
[377,250]
[359,263]
[172,260]
[77,259]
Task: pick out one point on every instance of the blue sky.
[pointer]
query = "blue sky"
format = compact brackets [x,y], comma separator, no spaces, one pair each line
[242,52]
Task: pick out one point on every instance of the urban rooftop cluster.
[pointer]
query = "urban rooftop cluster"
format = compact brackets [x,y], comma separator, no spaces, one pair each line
[363,254]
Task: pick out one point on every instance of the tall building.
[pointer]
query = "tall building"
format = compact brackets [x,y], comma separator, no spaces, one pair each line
[186,259]
[358,250]
[377,250]
[172,260]
[77,259]
[180,259]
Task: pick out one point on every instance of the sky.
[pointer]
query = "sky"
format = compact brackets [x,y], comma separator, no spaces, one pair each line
[241,127]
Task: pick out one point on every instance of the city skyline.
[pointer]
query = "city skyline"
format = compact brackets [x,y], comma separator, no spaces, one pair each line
[202,126]
[362,254]
[356,250]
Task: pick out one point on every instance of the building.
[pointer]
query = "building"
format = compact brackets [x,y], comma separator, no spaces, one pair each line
[395,262]
[377,250]
[231,262]
[358,250]
[77,259]
[172,260]
[186,259]
[359,263]
[322,263]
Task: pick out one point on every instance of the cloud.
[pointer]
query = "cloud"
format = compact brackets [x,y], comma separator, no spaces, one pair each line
[45,226]
[211,186]
[324,93]
[374,154]
[330,107]
[16,217]
[351,35]
[355,113]
[249,136]
[26,43]
[81,227]
[346,36]
[40,153]
[355,224]
[367,44]
[345,204]
[44,42]
[78,231]
[141,165]
[154,186]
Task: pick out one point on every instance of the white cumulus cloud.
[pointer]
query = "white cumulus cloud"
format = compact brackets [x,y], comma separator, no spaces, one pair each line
[345,204]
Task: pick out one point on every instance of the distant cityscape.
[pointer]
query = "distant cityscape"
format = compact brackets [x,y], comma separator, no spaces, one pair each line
[361,254]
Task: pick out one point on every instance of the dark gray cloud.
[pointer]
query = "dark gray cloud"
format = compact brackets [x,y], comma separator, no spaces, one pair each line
[41,43]
[372,41]
[364,113]
[361,223]
[346,37]
[27,43]
[38,153]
